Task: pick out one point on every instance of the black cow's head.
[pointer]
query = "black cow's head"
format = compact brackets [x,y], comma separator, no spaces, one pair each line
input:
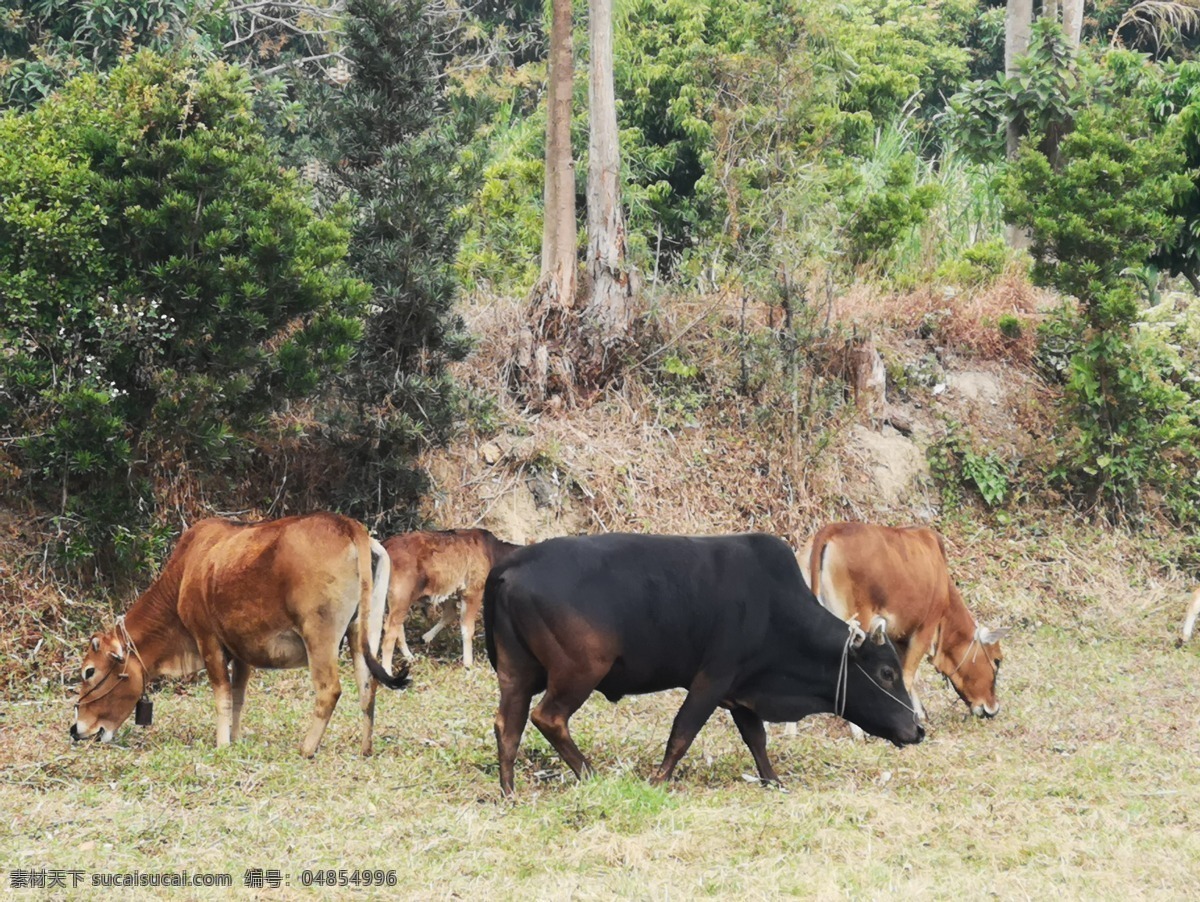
[874,695]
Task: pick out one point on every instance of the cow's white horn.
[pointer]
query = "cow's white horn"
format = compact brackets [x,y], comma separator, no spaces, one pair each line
[858,636]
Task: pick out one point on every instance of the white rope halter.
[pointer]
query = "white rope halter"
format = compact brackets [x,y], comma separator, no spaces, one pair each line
[853,640]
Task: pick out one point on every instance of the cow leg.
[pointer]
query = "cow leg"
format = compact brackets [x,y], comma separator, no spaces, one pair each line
[754,734]
[511,715]
[553,712]
[448,611]
[402,592]
[217,667]
[322,662]
[468,613]
[911,655]
[241,676]
[366,686]
[702,699]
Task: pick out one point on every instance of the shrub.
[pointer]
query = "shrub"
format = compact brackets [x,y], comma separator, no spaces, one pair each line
[165,283]
[1098,211]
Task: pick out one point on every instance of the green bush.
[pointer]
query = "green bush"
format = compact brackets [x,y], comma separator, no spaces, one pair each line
[165,283]
[955,465]
[1097,212]
[979,264]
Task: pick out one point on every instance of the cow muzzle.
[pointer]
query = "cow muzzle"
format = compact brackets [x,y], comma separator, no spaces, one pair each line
[100,735]
[913,738]
[985,710]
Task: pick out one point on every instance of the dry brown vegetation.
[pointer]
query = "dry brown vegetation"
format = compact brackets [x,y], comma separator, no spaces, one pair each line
[1081,787]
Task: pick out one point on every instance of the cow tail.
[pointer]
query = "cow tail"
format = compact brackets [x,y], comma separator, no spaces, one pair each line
[816,560]
[1189,622]
[372,606]
[491,589]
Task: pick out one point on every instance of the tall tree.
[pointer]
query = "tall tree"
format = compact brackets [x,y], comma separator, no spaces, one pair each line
[1072,17]
[559,233]
[393,154]
[1017,25]
[568,345]
[1017,29]
[544,359]
[611,289]
[165,286]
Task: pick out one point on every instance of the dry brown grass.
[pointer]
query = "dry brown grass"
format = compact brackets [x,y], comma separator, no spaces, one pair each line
[637,457]
[964,321]
[1080,788]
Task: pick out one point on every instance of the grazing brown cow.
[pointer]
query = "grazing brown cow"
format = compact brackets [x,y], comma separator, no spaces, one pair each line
[900,576]
[1189,620]
[235,596]
[438,566]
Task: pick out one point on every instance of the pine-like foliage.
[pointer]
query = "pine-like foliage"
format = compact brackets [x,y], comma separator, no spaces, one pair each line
[393,153]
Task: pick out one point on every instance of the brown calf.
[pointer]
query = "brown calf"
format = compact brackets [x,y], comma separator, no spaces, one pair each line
[900,576]
[438,566]
[235,596]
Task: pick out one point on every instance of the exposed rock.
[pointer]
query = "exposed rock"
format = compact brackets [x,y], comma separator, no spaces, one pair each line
[897,464]
[491,453]
[978,386]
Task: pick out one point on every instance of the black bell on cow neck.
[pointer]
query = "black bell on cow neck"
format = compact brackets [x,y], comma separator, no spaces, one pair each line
[143,714]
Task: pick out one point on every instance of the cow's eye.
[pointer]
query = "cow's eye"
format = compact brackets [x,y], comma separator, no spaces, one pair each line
[996,664]
[89,672]
[887,675]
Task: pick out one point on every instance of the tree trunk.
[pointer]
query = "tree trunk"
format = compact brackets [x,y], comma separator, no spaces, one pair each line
[1017,24]
[543,373]
[1072,21]
[611,301]
[558,231]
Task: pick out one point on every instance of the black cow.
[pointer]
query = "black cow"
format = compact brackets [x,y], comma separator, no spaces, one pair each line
[728,618]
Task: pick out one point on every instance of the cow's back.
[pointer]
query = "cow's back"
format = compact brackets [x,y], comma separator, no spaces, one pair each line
[253,584]
[867,570]
[442,563]
[662,607]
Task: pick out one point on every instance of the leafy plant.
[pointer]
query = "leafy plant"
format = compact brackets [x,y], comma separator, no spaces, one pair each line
[392,143]
[956,465]
[165,283]
[1099,210]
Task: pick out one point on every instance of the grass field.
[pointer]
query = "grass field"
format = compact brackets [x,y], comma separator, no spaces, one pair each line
[1084,786]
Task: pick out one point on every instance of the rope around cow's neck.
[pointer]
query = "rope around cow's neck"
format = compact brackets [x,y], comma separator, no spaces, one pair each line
[840,690]
[133,648]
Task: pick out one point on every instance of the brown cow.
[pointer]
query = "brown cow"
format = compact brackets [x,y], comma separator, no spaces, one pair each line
[900,576]
[235,596]
[437,566]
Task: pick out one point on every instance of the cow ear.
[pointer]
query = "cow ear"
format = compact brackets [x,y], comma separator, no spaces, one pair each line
[879,631]
[989,636]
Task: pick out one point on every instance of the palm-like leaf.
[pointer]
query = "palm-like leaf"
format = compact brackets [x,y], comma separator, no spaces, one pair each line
[1159,20]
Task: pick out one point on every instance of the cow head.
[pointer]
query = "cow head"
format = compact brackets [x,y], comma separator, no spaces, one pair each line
[971,663]
[875,697]
[112,681]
